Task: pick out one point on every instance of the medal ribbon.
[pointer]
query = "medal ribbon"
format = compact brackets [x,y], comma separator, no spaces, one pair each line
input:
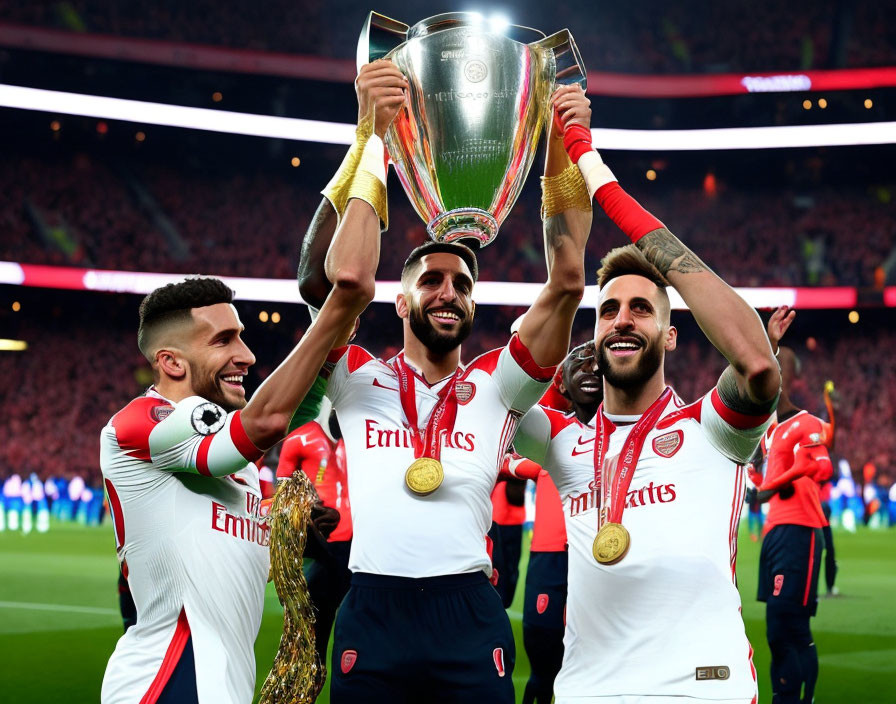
[426,443]
[628,459]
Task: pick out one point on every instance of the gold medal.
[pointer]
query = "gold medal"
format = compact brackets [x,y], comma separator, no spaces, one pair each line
[611,543]
[424,476]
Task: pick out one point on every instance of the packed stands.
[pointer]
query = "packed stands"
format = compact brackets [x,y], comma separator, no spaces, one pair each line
[648,36]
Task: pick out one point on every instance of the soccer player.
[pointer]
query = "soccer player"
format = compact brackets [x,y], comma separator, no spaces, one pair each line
[506,533]
[653,494]
[425,435]
[793,539]
[184,492]
[317,448]
[577,392]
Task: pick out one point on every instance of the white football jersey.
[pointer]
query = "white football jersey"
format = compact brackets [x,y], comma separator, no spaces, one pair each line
[665,621]
[395,531]
[185,504]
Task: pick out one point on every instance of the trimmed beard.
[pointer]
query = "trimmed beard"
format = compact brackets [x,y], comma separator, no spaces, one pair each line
[432,339]
[630,379]
[214,392]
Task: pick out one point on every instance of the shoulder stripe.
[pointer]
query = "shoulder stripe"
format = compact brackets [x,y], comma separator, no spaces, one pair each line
[134,423]
[559,421]
[692,410]
[737,420]
[486,362]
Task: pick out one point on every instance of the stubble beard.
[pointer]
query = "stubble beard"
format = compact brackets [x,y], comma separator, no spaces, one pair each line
[630,379]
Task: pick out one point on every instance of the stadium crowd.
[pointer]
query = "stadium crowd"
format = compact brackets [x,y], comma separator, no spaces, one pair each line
[649,36]
[82,211]
[78,372]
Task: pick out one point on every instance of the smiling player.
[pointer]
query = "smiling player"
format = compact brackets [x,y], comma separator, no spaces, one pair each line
[184,492]
[653,493]
[424,437]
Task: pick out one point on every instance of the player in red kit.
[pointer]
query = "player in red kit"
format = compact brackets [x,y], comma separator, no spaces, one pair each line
[789,562]
[319,452]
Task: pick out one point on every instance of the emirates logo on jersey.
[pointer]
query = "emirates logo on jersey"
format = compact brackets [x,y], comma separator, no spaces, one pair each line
[464,391]
[668,444]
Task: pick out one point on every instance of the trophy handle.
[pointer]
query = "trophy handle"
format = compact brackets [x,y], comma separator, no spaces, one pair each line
[379,36]
[569,68]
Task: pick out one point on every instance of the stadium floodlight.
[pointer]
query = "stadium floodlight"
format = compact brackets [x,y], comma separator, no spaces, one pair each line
[497,293]
[608,139]
[498,24]
[12,345]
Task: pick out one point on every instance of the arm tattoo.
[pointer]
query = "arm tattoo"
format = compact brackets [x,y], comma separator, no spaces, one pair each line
[554,229]
[738,400]
[666,252]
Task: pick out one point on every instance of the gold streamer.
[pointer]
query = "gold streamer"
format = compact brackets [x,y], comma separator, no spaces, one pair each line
[565,191]
[297,675]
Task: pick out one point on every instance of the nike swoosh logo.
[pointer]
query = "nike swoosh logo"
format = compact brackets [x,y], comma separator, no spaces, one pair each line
[583,452]
[376,382]
[585,442]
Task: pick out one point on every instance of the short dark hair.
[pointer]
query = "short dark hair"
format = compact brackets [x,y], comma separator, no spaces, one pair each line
[172,302]
[461,250]
[622,261]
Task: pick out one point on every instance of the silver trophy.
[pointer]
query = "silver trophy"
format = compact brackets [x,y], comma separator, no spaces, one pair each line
[478,100]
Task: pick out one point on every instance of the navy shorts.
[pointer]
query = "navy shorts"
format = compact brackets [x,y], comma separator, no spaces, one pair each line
[788,568]
[545,601]
[435,640]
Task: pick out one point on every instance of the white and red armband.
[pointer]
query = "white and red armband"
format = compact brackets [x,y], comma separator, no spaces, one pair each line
[199,436]
[621,208]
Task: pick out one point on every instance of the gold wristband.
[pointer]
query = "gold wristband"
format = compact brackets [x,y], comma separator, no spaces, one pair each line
[565,191]
[367,187]
[336,191]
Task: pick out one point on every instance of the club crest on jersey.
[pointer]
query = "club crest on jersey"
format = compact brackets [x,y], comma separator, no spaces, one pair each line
[349,658]
[779,584]
[208,418]
[160,413]
[668,444]
[464,391]
[498,655]
[541,604]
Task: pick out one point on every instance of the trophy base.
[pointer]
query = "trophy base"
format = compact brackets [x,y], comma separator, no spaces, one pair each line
[463,223]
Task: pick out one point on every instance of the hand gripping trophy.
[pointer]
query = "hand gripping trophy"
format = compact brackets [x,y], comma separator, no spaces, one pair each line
[478,99]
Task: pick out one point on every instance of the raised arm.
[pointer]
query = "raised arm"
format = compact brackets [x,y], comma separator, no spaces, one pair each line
[566,211]
[380,89]
[751,383]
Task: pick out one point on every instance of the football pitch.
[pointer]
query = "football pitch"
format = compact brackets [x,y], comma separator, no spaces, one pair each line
[59,618]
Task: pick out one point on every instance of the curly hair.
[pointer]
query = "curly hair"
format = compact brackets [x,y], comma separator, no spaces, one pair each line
[173,302]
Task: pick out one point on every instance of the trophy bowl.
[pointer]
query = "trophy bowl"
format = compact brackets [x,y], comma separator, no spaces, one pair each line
[478,101]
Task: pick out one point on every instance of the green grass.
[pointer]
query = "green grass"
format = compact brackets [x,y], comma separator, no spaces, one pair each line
[54,653]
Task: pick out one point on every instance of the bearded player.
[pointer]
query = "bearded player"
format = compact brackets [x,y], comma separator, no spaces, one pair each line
[653,494]
[185,497]
[425,436]
[576,393]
